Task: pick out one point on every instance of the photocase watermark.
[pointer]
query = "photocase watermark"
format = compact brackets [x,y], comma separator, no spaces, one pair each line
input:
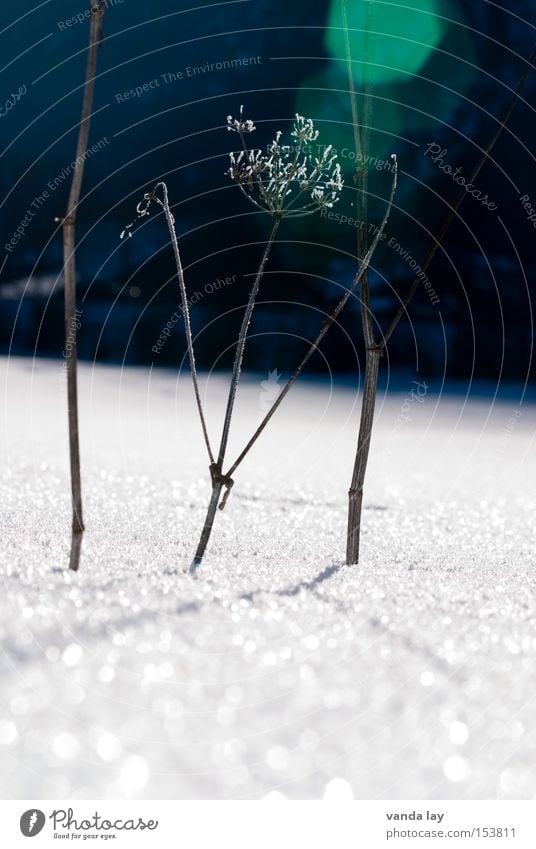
[13,100]
[188,72]
[67,826]
[391,242]
[508,430]
[270,392]
[211,67]
[46,194]
[416,395]
[70,339]
[70,343]
[80,17]
[437,156]
[362,162]
[208,289]
[404,254]
[32,822]
[54,184]
[529,209]
[65,819]
[341,218]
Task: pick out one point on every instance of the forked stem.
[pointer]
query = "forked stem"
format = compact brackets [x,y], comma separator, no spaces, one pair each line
[329,321]
[219,480]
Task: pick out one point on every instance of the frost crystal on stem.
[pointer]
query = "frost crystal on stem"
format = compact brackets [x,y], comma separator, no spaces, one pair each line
[289,180]
[239,125]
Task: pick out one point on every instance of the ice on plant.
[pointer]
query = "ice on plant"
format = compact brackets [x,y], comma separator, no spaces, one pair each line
[288,180]
[276,672]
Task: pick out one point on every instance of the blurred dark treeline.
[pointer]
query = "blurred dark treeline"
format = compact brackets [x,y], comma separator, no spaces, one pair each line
[192,66]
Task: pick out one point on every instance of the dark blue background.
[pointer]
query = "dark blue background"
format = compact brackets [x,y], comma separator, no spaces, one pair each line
[484,277]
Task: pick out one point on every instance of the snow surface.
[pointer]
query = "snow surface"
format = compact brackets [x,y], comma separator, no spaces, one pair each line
[276,671]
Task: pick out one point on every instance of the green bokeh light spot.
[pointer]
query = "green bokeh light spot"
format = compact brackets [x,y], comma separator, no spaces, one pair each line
[324,96]
[388,40]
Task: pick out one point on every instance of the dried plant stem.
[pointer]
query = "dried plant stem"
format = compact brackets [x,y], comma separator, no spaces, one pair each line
[370,386]
[374,350]
[219,480]
[185,307]
[69,253]
[239,356]
[331,319]
[355,493]
[217,487]
[372,364]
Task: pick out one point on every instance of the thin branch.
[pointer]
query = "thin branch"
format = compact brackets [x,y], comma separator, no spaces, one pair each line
[217,486]
[351,82]
[355,493]
[69,255]
[372,350]
[361,138]
[220,480]
[185,307]
[442,231]
[242,342]
[251,200]
[324,329]
[373,353]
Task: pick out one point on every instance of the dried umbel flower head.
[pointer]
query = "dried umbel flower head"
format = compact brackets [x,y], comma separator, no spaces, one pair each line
[239,125]
[288,180]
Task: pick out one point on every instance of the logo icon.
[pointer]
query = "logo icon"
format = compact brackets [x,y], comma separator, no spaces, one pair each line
[32,822]
[270,391]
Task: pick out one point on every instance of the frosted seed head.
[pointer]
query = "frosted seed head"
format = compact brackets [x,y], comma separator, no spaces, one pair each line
[287,180]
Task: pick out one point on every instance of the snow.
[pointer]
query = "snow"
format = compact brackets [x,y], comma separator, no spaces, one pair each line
[276,672]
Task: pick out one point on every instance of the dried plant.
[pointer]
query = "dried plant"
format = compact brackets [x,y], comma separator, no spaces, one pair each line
[288,181]
[69,253]
[375,347]
[312,183]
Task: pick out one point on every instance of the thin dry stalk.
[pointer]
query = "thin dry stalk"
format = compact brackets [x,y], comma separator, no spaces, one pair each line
[219,480]
[372,352]
[330,320]
[185,306]
[69,254]
[375,350]
[239,356]
[286,182]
